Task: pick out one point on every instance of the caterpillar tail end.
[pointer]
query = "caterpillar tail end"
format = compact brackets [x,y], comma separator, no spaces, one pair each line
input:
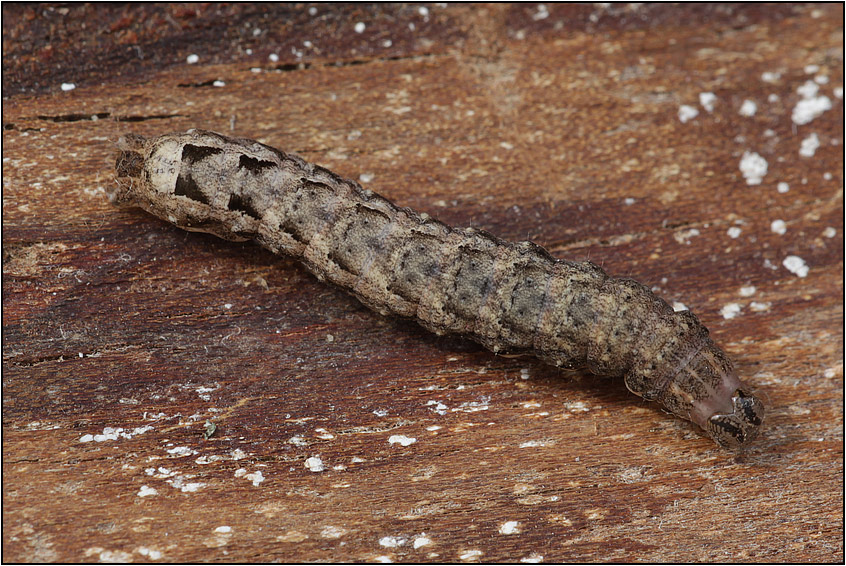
[128,166]
[708,392]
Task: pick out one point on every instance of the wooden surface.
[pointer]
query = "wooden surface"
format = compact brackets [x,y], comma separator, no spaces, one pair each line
[123,335]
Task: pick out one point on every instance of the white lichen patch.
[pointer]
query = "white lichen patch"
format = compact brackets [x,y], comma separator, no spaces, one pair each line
[533,558]
[323,434]
[809,89]
[179,483]
[537,443]
[402,440]
[809,146]
[471,407]
[437,407]
[687,113]
[796,265]
[782,187]
[707,100]
[755,306]
[146,491]
[734,232]
[770,76]
[314,464]
[576,406]
[332,532]
[209,459]
[150,553]
[753,167]
[811,105]
[747,291]
[470,555]
[731,310]
[509,528]
[223,529]
[180,451]
[748,108]
[420,541]
[255,477]
[684,236]
[110,433]
[392,542]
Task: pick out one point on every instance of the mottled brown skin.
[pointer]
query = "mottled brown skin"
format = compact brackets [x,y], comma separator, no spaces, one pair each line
[510,297]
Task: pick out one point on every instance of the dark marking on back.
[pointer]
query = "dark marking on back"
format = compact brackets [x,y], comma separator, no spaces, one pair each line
[242,204]
[193,153]
[253,165]
[186,186]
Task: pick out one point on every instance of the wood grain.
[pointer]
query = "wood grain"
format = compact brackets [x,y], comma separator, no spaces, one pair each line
[562,129]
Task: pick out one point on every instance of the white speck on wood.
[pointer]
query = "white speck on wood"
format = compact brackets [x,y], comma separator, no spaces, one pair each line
[809,146]
[149,553]
[687,113]
[332,532]
[753,167]
[731,310]
[747,291]
[809,89]
[314,464]
[683,236]
[391,542]
[509,528]
[811,105]
[779,227]
[146,491]
[256,477]
[796,265]
[734,232]
[402,440]
[748,108]
[770,77]
[420,541]
[707,100]
[576,406]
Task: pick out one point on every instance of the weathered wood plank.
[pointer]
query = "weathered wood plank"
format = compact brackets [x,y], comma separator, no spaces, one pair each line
[562,128]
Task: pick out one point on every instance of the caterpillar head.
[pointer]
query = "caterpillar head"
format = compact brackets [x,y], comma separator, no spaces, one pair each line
[733,430]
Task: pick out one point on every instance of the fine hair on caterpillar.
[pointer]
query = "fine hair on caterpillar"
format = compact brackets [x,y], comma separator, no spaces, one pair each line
[513,298]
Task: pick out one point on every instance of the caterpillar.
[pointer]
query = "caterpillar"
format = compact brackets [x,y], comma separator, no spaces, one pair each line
[513,298]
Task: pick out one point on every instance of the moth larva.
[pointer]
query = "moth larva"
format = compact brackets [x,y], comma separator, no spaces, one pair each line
[509,297]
